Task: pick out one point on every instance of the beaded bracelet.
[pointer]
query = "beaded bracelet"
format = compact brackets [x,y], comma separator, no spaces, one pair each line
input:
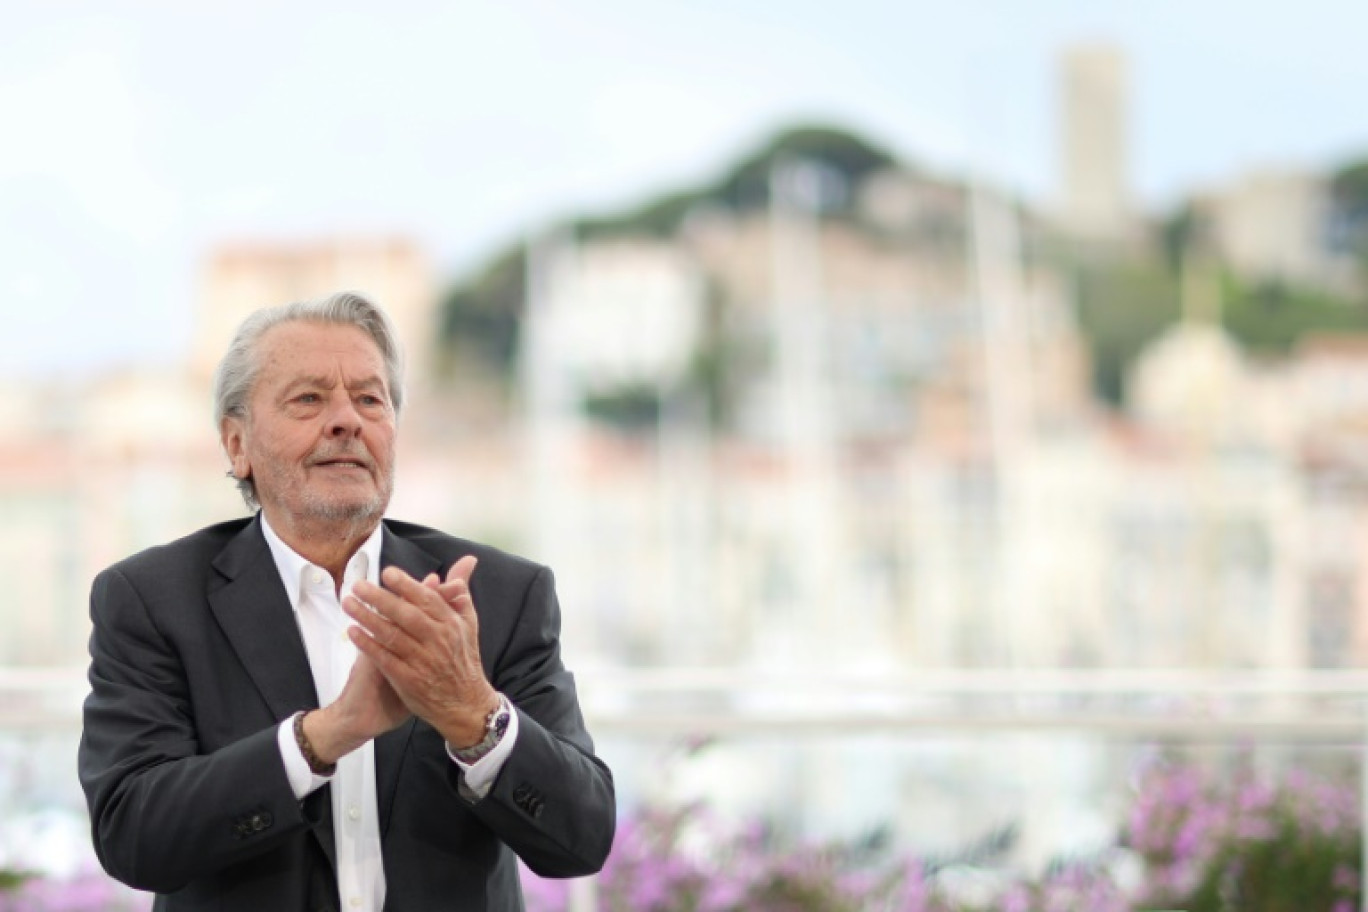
[316,764]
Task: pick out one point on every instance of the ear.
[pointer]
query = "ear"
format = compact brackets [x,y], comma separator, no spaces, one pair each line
[233,435]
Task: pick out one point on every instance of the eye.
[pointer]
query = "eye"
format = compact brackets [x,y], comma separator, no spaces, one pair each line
[308,398]
[369,399]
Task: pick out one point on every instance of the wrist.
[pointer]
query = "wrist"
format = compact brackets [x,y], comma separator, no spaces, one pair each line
[322,761]
[468,729]
[328,736]
[493,727]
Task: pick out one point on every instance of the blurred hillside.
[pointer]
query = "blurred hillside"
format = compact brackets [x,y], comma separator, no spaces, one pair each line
[1124,291]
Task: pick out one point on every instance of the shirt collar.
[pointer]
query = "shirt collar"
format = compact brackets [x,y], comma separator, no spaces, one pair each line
[292,567]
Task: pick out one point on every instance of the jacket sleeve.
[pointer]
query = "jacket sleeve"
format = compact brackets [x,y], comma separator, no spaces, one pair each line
[553,801]
[162,813]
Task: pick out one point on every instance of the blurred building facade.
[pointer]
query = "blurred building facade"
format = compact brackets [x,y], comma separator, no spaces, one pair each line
[854,443]
[1275,224]
[896,443]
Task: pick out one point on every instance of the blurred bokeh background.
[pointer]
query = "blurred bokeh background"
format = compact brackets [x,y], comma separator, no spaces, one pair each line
[932,412]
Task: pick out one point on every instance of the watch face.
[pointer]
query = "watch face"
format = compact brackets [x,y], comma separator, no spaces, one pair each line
[500,724]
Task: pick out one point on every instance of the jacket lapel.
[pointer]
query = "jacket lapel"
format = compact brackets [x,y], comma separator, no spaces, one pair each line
[254,612]
[391,747]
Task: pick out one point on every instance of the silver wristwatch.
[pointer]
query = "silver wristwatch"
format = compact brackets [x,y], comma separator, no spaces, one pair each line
[496,723]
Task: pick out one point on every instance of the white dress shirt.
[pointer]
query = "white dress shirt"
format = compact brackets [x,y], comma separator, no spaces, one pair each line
[323,624]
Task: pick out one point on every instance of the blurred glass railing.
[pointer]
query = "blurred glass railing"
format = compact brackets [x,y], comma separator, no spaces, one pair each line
[1039,764]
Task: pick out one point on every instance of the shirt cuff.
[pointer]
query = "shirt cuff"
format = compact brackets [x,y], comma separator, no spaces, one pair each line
[303,782]
[478,777]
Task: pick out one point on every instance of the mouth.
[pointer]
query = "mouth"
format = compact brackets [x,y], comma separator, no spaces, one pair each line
[342,464]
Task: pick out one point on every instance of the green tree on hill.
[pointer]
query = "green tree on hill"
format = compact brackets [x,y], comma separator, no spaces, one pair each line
[481,316]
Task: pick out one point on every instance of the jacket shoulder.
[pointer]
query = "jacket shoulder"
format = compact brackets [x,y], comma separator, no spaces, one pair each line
[449,548]
[196,549]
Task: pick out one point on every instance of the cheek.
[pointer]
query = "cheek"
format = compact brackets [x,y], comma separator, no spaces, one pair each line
[264,459]
[382,444]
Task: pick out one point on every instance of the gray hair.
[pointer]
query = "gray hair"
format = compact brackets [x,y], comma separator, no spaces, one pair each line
[237,372]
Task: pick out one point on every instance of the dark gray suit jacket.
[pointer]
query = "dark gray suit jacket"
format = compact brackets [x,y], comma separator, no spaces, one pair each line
[196,658]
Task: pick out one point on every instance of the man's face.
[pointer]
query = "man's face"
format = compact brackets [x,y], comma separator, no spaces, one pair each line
[318,438]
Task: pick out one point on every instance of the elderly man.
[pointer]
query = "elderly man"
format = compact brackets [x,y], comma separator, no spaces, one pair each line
[315,708]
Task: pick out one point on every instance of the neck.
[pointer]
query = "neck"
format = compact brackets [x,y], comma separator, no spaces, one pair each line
[325,542]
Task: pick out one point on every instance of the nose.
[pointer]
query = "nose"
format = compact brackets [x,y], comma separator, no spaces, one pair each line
[343,418]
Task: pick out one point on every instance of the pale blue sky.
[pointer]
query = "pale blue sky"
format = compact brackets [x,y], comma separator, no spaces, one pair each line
[136,135]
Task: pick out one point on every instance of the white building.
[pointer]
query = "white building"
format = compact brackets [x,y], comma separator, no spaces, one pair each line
[1273,223]
[1095,141]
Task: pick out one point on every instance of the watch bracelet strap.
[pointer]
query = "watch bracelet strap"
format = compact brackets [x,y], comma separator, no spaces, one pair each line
[492,737]
[316,764]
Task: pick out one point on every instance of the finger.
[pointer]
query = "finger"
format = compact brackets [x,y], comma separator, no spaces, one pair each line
[383,602]
[413,592]
[384,661]
[397,670]
[412,683]
[434,582]
[410,609]
[457,595]
[383,629]
[456,589]
[462,569]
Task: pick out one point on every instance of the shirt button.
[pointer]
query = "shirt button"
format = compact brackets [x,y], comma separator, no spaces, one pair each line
[355,902]
[354,812]
[317,577]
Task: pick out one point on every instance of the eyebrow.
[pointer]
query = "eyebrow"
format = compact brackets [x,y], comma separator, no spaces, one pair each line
[367,383]
[319,380]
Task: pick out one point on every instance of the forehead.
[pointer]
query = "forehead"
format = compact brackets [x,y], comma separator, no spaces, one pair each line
[309,348]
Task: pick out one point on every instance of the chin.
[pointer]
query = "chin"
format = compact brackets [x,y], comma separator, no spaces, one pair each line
[371,509]
[350,510]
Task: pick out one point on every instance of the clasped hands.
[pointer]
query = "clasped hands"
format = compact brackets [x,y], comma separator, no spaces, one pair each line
[419,655]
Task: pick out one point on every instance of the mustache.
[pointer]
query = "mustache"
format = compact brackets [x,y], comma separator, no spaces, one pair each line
[357,454]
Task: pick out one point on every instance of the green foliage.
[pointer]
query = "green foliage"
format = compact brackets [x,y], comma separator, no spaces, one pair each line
[1288,871]
[1349,210]
[1122,307]
[659,217]
[1125,305]
[1244,845]
[1272,316]
[480,318]
[843,153]
[719,361]
[1179,234]
[13,880]
[630,407]
[745,186]
[1349,186]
